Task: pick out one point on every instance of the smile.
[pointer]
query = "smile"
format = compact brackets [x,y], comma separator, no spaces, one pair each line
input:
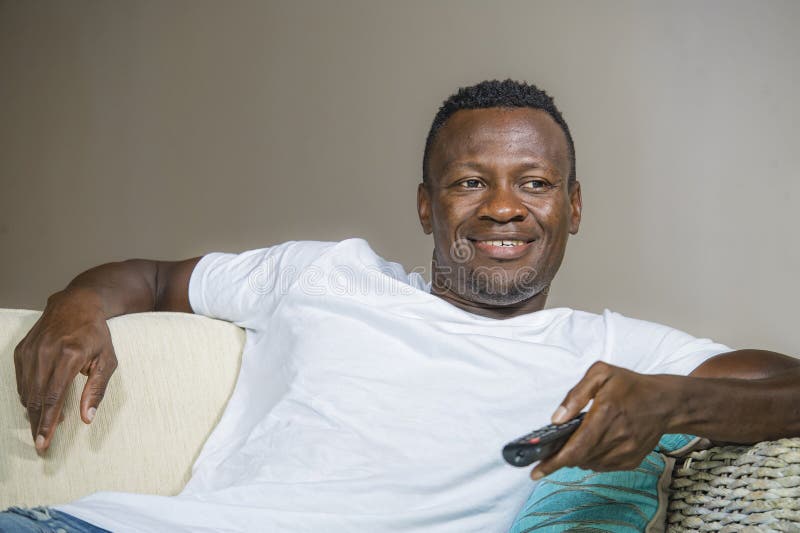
[503,243]
[502,249]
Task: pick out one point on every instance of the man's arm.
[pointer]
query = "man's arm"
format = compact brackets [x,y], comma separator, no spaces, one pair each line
[72,336]
[743,396]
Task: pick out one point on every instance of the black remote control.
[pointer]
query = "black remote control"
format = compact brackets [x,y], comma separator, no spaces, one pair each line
[540,444]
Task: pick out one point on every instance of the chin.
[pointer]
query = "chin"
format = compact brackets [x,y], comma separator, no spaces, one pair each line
[501,287]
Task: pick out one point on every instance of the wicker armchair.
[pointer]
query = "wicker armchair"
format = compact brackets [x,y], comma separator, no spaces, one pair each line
[737,488]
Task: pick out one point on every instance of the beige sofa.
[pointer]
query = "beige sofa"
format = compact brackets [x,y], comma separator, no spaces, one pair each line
[176,372]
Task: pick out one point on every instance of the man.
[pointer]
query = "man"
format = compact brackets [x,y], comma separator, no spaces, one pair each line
[396,396]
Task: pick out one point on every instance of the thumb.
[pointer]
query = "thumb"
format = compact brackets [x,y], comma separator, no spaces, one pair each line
[577,398]
[100,372]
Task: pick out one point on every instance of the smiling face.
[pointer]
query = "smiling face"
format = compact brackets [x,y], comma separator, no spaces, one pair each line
[500,208]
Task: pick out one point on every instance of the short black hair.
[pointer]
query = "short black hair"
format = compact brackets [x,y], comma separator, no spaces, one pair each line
[487,94]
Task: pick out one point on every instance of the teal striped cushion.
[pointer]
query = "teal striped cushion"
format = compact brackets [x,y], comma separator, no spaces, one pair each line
[582,500]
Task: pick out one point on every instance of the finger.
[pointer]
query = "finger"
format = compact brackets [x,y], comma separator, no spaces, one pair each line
[53,401]
[27,369]
[34,406]
[619,450]
[23,360]
[95,389]
[18,369]
[581,449]
[36,380]
[577,398]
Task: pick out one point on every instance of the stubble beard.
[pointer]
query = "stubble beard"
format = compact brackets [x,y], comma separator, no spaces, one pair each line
[487,285]
[498,287]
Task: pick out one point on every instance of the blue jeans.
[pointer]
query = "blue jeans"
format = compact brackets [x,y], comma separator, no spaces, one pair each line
[43,520]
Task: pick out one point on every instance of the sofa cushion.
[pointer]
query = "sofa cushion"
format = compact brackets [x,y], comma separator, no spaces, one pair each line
[625,501]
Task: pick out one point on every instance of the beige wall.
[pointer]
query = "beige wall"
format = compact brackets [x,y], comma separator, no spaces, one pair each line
[168,129]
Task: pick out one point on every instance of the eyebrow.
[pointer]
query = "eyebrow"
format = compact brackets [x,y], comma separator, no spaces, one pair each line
[473,165]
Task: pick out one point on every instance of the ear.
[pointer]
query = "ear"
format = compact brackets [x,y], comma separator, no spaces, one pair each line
[424,208]
[576,205]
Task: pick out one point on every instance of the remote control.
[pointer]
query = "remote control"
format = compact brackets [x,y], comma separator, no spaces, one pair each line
[540,444]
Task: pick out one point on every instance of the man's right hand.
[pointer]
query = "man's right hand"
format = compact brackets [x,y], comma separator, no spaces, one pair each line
[71,336]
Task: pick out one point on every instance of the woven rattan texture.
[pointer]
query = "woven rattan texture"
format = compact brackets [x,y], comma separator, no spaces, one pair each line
[737,488]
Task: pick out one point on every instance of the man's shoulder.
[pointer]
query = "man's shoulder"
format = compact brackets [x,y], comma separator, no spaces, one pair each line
[352,251]
[296,257]
[305,249]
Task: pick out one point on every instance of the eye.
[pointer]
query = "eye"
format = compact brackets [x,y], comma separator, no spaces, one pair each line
[470,183]
[535,184]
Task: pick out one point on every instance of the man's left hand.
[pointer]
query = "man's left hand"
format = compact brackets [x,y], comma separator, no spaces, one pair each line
[629,413]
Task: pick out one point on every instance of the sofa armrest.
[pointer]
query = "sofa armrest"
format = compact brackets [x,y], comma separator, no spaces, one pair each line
[176,372]
[731,488]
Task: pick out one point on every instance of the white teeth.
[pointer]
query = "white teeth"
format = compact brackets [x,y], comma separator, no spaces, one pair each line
[505,243]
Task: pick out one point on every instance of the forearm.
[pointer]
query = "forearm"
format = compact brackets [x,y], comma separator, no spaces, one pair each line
[118,288]
[744,396]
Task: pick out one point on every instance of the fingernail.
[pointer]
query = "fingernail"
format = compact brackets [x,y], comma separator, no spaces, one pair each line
[560,416]
[90,413]
[39,442]
[536,475]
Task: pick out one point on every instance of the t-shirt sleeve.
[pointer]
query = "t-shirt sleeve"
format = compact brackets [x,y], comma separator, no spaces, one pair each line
[650,348]
[245,288]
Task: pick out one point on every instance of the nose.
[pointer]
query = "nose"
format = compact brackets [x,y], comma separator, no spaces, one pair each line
[502,205]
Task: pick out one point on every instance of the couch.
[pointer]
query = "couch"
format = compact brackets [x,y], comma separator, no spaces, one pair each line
[176,373]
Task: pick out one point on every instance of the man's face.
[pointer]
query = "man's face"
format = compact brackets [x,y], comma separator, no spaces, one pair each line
[500,207]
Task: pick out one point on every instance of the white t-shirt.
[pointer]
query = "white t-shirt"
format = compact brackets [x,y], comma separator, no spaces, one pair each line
[366,404]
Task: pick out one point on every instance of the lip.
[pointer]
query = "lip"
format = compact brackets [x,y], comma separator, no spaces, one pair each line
[502,252]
